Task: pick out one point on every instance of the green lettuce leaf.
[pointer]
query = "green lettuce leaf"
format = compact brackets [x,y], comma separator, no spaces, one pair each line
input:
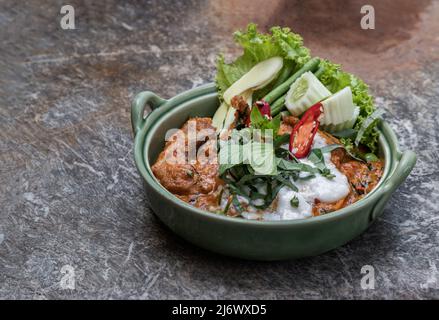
[335,79]
[258,47]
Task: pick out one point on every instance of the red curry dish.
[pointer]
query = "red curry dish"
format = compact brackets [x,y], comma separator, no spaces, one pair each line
[200,185]
[294,136]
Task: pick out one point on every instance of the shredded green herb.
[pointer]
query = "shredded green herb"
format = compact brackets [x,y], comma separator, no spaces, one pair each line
[294,202]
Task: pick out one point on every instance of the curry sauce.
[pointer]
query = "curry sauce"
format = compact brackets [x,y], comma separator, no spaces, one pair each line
[197,182]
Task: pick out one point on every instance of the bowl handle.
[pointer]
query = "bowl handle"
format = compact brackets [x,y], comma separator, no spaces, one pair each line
[138,107]
[407,161]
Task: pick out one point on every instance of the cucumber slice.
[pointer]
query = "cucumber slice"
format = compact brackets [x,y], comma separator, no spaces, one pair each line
[339,111]
[348,124]
[258,76]
[305,92]
[220,116]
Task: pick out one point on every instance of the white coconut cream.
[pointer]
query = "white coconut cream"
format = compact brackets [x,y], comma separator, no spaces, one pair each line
[319,187]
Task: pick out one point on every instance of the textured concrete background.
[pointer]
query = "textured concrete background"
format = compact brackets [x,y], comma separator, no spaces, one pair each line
[72,202]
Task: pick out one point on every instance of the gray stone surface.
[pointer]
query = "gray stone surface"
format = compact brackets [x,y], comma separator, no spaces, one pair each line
[72,200]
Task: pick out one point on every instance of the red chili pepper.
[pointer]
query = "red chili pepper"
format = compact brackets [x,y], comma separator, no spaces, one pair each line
[264,109]
[304,131]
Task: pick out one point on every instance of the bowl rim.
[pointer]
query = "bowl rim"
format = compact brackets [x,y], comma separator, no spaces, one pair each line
[387,140]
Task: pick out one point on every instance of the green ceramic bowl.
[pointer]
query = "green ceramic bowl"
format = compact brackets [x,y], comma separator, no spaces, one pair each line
[257,240]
